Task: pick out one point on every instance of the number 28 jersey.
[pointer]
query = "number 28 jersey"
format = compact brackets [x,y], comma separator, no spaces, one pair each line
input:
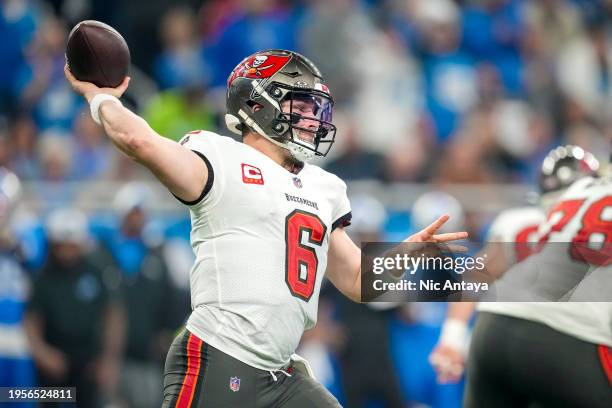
[260,235]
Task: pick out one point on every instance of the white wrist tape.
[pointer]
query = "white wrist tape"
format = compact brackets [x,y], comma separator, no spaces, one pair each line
[454,334]
[95,103]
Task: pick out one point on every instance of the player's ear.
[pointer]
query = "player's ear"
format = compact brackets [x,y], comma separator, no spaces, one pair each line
[254,106]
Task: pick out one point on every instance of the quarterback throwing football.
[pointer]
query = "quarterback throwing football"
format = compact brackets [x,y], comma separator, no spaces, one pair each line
[266,227]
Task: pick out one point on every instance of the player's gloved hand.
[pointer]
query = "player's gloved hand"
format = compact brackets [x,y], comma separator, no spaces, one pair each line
[448,363]
[89,90]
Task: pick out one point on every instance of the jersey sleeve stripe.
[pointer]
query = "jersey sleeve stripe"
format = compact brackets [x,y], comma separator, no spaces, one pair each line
[343,221]
[209,182]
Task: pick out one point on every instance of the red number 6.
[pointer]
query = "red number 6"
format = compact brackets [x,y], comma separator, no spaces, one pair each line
[301,260]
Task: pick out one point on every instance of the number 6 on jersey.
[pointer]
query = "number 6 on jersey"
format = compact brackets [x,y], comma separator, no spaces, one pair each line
[301,260]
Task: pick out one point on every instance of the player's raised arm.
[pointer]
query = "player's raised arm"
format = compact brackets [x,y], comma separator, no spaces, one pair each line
[344,257]
[168,160]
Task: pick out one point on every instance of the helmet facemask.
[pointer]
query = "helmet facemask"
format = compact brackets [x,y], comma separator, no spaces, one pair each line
[281,95]
[304,123]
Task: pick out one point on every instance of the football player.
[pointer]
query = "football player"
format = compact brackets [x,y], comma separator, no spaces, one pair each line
[553,354]
[266,227]
[511,238]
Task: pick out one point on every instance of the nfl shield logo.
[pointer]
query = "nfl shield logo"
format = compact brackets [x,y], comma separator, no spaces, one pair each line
[234,384]
[297,182]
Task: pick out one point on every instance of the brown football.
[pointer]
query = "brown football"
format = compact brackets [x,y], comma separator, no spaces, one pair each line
[97,53]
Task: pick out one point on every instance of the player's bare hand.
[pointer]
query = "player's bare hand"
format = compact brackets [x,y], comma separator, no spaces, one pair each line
[428,234]
[448,363]
[106,371]
[89,90]
[53,363]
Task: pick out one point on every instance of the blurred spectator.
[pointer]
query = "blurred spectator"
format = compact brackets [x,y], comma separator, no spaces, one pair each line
[5,152]
[16,368]
[55,158]
[18,22]
[139,25]
[175,112]
[551,24]
[585,70]
[320,345]
[334,34]
[367,368]
[466,158]
[354,162]
[149,298]
[414,333]
[511,120]
[256,25]
[388,98]
[493,31]
[56,155]
[93,155]
[450,74]
[41,84]
[179,256]
[407,161]
[74,322]
[215,15]
[181,63]
[184,75]
[23,153]
[433,204]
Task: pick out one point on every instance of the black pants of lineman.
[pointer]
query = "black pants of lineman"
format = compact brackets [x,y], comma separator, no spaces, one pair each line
[519,363]
[199,376]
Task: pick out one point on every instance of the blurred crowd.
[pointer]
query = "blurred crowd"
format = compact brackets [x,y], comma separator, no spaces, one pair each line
[426,91]
[437,90]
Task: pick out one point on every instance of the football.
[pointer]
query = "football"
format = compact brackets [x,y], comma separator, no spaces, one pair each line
[97,53]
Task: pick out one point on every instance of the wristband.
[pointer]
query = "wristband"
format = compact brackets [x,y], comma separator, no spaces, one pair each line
[454,334]
[96,101]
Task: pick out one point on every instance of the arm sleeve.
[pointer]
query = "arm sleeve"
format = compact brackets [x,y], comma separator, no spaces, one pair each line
[342,212]
[205,145]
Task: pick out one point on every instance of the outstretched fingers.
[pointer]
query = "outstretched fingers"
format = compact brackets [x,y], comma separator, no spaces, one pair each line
[427,233]
[450,236]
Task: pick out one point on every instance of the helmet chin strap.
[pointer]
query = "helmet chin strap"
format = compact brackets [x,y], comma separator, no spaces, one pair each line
[300,153]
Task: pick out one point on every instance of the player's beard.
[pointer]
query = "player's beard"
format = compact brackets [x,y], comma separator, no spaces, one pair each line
[292,164]
[304,137]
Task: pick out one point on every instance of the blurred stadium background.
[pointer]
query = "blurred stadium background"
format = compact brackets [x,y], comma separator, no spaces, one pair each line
[463,98]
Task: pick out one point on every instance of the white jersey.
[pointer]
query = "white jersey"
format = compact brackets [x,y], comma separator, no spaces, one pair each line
[583,214]
[260,235]
[516,225]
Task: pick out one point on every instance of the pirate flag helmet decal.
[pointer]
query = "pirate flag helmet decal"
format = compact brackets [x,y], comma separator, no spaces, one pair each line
[282,96]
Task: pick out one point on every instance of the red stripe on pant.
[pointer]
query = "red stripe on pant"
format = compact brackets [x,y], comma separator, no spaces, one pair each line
[605,355]
[194,347]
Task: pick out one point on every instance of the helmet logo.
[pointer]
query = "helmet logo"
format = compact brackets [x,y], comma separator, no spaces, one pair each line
[259,67]
[321,87]
[256,66]
[259,59]
[301,84]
